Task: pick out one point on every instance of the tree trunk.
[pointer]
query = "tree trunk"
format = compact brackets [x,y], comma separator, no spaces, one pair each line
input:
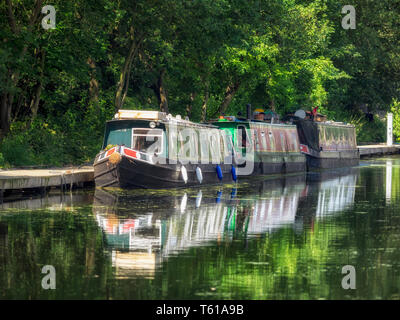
[230,92]
[11,18]
[7,98]
[21,101]
[204,105]
[272,105]
[124,76]
[32,21]
[5,109]
[189,107]
[160,92]
[163,93]
[127,83]
[34,106]
[93,84]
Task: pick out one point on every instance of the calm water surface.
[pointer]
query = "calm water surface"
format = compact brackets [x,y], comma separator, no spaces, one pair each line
[276,238]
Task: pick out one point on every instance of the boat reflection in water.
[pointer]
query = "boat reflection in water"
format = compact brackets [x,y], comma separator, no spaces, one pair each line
[142,233]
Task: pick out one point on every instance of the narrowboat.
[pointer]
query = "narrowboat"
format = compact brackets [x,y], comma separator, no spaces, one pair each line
[275,147]
[150,149]
[326,144]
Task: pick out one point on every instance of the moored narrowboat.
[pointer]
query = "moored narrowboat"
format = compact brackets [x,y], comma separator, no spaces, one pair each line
[326,144]
[149,149]
[275,147]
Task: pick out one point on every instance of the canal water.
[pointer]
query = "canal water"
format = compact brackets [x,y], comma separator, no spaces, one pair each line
[285,237]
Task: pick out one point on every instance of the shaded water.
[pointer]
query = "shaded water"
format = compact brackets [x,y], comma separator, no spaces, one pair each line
[267,238]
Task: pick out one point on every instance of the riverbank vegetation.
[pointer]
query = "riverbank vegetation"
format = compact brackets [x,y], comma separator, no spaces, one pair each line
[197,58]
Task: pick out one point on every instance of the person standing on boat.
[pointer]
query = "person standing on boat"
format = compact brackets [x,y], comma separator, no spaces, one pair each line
[314,113]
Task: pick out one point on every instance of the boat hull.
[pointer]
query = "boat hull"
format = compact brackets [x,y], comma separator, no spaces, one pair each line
[275,164]
[335,160]
[132,173]
[332,159]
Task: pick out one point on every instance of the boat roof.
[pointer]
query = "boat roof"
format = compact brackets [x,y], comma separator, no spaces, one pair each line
[127,116]
[336,124]
[252,122]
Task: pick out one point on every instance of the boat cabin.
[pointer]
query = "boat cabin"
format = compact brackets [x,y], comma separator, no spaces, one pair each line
[260,135]
[157,134]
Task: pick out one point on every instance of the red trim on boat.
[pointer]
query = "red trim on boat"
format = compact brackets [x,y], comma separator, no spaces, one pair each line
[304,148]
[130,153]
[110,152]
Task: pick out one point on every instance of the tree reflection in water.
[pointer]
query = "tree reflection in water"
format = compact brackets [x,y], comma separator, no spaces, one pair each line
[282,238]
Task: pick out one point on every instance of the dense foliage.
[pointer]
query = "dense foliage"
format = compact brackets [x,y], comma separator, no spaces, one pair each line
[197,58]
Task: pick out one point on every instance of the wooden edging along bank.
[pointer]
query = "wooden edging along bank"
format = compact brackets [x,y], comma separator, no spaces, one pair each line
[43,179]
[378,150]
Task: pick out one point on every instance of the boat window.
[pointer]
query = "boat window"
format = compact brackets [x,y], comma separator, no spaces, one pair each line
[147,140]
[188,146]
[204,146]
[272,141]
[263,140]
[226,145]
[120,136]
[215,147]
[243,140]
[256,140]
[196,147]
[295,146]
[228,141]
[283,142]
[173,143]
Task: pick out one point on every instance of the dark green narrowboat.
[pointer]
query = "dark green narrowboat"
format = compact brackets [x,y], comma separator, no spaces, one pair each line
[267,148]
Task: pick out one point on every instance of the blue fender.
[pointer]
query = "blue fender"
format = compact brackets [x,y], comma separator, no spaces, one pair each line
[234,176]
[219,172]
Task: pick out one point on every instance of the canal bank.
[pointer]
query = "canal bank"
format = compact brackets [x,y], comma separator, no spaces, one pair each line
[41,180]
[374,150]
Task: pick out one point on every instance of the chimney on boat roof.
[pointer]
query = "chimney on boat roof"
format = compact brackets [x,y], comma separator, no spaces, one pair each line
[249,113]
